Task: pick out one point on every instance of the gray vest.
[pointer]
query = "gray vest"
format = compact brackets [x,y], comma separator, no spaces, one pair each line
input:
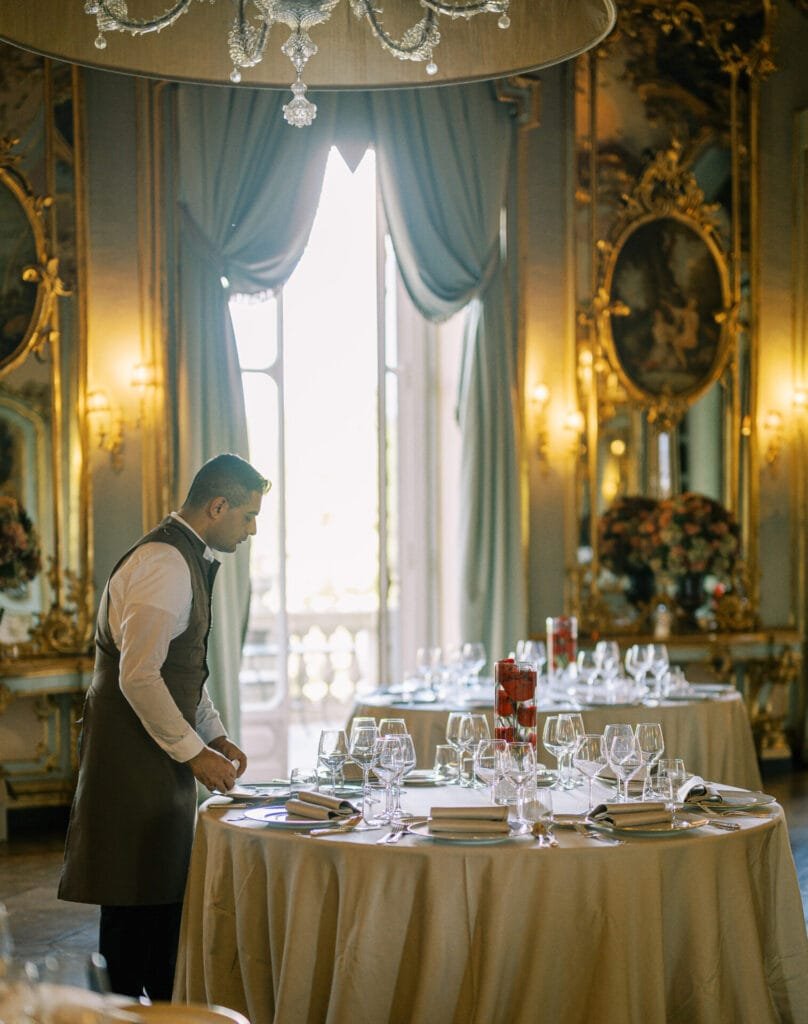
[134,811]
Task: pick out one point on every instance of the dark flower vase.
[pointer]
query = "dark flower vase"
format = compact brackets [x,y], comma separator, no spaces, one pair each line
[641,587]
[689,598]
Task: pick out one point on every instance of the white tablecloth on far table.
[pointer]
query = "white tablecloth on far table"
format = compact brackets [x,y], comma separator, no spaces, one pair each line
[704,928]
[713,736]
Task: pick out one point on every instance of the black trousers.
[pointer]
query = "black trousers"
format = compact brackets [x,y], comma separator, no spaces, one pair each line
[140,946]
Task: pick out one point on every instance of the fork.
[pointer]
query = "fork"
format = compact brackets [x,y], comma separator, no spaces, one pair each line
[589,833]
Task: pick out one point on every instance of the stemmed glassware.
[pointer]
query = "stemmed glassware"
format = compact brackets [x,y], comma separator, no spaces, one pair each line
[638,662]
[363,751]
[453,739]
[474,659]
[472,729]
[407,764]
[392,727]
[660,665]
[388,766]
[489,763]
[589,756]
[588,667]
[534,652]
[558,738]
[607,659]
[625,759]
[428,665]
[332,752]
[652,745]
[520,767]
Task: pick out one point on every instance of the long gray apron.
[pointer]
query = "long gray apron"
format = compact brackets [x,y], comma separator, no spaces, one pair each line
[134,811]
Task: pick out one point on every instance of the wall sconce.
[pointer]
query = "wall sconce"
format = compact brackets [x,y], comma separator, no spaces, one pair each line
[575,423]
[799,400]
[773,430]
[108,427]
[144,380]
[540,398]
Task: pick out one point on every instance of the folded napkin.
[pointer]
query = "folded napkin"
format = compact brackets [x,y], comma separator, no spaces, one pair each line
[319,807]
[696,791]
[649,812]
[491,819]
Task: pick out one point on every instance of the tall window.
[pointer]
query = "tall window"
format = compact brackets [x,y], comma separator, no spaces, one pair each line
[349,399]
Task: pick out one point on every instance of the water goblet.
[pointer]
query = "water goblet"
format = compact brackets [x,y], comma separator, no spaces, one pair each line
[589,756]
[520,767]
[332,752]
[652,745]
[588,667]
[551,744]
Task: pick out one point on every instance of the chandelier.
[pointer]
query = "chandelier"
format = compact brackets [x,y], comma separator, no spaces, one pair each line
[250,28]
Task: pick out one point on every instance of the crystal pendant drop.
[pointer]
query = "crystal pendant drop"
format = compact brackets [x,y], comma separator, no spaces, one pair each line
[504,21]
[235,76]
[100,42]
[432,68]
[299,112]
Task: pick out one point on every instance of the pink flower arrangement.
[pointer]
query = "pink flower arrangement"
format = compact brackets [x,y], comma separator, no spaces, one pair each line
[626,534]
[694,534]
[20,559]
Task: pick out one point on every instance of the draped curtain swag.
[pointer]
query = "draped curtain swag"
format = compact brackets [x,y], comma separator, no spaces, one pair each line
[246,215]
[248,191]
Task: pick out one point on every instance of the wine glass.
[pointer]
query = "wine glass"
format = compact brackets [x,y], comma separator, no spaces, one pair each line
[557,738]
[407,764]
[472,729]
[363,751]
[474,659]
[388,763]
[332,752]
[607,658]
[652,745]
[428,662]
[638,662]
[660,664]
[453,738]
[520,766]
[571,734]
[361,722]
[392,727]
[625,760]
[489,766]
[534,652]
[588,667]
[589,756]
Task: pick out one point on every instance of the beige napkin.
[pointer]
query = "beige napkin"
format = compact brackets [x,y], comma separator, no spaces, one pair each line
[649,812]
[488,820]
[697,791]
[318,806]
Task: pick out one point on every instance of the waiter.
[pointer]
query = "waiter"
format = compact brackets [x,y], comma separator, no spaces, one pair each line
[150,730]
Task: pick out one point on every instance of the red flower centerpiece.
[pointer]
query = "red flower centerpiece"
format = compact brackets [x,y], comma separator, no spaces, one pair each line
[515,701]
[562,642]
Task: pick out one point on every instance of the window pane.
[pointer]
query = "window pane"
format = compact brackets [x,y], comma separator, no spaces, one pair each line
[255,326]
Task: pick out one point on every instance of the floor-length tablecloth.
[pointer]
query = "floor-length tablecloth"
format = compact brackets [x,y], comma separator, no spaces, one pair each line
[700,928]
[713,736]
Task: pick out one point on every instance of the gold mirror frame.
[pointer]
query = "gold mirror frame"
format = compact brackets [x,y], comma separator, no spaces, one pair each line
[666,195]
[62,626]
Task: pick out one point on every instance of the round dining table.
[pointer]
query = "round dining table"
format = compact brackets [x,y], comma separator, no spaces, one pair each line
[703,925]
[710,730]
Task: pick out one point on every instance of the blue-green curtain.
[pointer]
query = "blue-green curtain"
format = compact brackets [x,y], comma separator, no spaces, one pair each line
[247,189]
[444,157]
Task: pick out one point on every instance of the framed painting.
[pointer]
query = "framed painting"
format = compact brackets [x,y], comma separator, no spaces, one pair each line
[667,309]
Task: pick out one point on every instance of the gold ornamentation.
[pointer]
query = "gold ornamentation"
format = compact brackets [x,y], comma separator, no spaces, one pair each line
[6,698]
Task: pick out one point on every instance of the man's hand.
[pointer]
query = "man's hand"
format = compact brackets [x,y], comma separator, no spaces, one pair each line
[214,770]
[231,752]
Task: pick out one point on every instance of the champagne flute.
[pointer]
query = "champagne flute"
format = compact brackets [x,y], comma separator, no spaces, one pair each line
[652,745]
[589,756]
[520,766]
[332,752]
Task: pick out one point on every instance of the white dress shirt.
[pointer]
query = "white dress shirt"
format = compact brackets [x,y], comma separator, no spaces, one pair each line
[149,605]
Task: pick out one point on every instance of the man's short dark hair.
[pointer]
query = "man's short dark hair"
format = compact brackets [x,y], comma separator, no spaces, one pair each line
[226,476]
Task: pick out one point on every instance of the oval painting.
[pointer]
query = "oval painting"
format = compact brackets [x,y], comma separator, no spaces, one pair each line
[668,277]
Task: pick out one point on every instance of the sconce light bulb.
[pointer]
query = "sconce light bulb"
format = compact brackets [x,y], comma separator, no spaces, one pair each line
[541,394]
[773,421]
[97,403]
[618,447]
[574,420]
[800,399]
[143,376]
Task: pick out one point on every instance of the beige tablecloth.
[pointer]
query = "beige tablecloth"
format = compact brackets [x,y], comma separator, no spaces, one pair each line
[713,736]
[706,927]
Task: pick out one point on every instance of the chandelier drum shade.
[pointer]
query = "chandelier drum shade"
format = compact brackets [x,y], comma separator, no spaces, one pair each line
[341,44]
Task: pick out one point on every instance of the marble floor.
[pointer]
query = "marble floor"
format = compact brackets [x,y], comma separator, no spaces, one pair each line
[42,925]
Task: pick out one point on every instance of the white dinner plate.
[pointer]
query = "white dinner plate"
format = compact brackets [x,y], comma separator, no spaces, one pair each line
[422,777]
[261,794]
[279,817]
[649,831]
[733,800]
[469,838]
